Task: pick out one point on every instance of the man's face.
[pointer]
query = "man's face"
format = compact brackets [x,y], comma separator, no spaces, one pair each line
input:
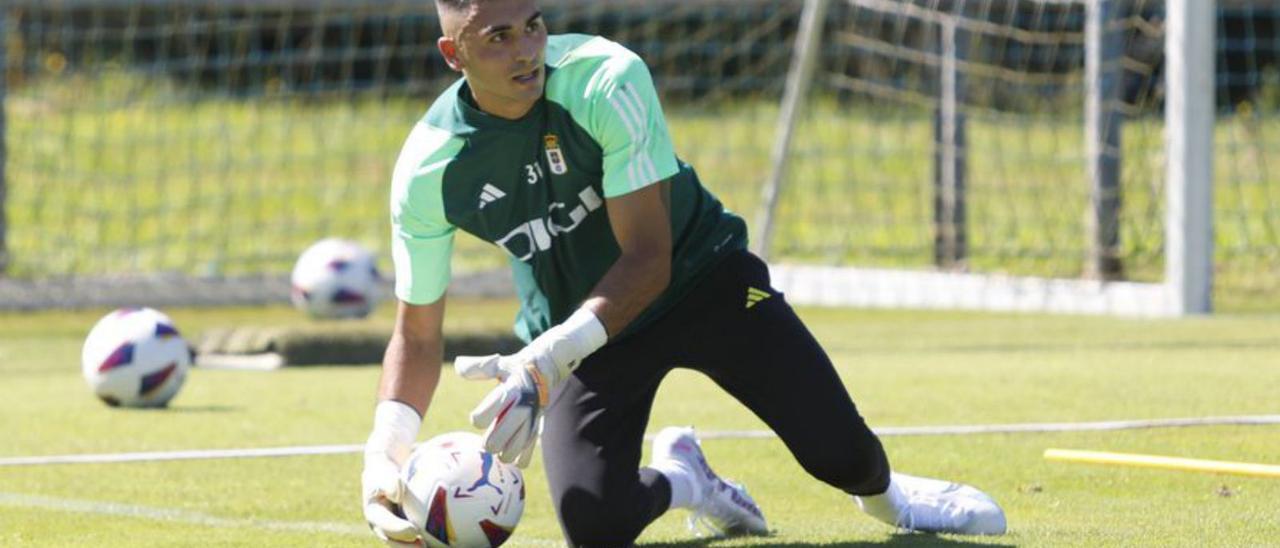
[499,45]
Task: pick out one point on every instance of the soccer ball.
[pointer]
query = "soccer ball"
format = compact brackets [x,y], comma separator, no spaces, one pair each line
[458,494]
[134,357]
[335,279]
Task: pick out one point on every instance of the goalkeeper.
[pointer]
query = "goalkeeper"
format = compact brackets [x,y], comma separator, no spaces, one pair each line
[555,149]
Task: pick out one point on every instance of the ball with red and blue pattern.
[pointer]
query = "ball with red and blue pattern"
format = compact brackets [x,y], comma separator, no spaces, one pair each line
[335,278]
[135,357]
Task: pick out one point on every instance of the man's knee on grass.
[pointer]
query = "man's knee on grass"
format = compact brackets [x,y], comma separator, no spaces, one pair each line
[590,519]
[857,469]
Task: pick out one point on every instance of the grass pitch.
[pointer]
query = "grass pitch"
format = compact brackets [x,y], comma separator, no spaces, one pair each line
[903,368]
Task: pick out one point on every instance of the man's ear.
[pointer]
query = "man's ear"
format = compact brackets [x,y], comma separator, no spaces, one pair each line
[449,49]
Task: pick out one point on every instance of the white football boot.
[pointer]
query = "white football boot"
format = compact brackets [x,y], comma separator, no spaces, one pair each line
[722,507]
[935,506]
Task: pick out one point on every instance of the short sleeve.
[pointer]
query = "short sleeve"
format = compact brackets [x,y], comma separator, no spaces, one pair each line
[421,236]
[629,125]
[422,253]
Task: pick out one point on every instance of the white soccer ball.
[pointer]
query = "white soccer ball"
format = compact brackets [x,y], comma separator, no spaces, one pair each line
[134,357]
[335,279]
[460,495]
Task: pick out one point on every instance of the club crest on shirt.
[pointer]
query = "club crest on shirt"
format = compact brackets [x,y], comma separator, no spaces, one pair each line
[555,156]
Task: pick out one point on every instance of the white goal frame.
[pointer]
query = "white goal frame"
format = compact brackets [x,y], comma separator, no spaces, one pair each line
[1188,280]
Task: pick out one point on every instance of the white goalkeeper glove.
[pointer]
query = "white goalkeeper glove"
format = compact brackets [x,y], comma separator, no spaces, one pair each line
[513,410]
[395,427]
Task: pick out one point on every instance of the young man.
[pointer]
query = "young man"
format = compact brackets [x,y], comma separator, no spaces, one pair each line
[556,150]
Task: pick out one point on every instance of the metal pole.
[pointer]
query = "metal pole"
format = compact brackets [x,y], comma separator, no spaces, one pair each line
[950,241]
[1189,118]
[1103,120]
[798,80]
[4,78]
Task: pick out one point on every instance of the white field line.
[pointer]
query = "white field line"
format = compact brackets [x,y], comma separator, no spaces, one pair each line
[940,430]
[173,515]
[196,518]
[186,455]
[1024,428]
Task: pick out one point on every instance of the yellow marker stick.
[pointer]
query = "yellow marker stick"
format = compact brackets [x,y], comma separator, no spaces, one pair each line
[1167,463]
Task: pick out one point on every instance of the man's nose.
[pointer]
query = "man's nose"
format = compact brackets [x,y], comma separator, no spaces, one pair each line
[529,46]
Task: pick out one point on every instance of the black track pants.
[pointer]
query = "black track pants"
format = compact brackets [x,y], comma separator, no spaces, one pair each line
[760,354]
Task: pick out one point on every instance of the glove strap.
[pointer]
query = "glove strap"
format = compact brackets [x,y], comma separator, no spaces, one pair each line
[396,422]
[576,338]
[586,330]
[540,383]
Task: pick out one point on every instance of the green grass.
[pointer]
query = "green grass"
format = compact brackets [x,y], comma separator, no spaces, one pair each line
[903,369]
[120,174]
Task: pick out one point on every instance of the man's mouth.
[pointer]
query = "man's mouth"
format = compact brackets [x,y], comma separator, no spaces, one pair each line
[527,77]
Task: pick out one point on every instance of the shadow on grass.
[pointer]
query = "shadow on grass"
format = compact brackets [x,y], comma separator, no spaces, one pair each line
[897,540]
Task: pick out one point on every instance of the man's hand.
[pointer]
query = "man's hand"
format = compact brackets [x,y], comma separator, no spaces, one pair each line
[395,427]
[513,410]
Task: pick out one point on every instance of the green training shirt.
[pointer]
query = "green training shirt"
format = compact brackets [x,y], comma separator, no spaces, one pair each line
[537,186]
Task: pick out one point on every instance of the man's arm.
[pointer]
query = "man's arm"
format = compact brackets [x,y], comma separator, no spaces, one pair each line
[411,365]
[410,373]
[641,224]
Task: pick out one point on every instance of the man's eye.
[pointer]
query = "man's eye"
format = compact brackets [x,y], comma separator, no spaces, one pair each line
[534,26]
[497,38]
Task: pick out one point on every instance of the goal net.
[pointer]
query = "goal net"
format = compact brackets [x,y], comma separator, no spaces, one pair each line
[999,154]
[1048,155]
[187,151]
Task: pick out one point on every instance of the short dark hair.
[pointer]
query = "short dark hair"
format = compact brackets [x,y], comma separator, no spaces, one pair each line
[450,6]
[454,4]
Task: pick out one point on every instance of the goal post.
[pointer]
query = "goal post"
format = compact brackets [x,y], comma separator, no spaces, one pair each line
[1089,39]
[1189,122]
[796,92]
[1104,52]
[4,71]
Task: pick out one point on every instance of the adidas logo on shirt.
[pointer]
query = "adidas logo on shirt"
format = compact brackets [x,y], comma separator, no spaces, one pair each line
[490,194]
[754,296]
